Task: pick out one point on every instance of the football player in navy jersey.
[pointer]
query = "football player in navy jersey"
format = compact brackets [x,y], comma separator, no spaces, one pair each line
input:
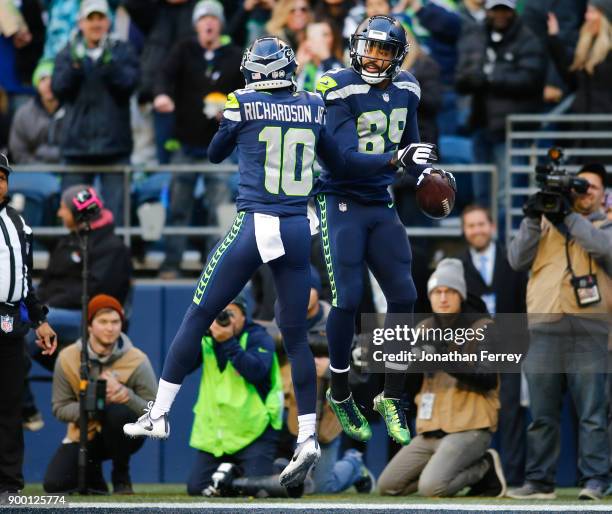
[276,132]
[371,114]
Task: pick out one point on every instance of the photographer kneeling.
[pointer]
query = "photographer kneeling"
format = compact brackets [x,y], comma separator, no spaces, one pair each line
[125,374]
[239,409]
[457,408]
[569,293]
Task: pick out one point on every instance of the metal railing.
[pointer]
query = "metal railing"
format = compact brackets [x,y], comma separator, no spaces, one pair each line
[530,145]
[129,232]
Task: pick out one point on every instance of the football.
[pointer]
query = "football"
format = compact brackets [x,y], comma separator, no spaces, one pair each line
[435,197]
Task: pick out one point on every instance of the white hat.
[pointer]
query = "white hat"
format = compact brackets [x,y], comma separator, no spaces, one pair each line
[510,4]
[91,6]
[449,273]
[208,8]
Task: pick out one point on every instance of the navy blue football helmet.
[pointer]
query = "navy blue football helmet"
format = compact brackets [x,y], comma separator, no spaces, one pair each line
[269,63]
[379,35]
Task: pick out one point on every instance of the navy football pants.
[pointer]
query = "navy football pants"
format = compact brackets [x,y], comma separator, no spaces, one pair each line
[352,233]
[229,267]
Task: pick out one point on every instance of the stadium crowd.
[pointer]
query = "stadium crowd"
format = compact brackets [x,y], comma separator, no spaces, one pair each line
[112,83]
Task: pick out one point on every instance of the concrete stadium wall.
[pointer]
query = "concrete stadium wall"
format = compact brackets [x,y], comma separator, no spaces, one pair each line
[156,314]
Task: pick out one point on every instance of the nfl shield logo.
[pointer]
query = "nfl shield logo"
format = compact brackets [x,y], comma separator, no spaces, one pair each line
[386,97]
[342,206]
[6,324]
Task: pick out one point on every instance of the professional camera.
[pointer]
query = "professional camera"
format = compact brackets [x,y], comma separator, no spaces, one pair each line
[224,318]
[556,184]
[95,396]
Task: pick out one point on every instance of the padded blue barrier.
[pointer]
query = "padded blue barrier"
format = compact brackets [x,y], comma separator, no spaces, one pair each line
[157,311]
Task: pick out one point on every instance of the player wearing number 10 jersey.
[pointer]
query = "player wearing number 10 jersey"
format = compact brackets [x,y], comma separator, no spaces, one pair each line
[276,132]
[371,113]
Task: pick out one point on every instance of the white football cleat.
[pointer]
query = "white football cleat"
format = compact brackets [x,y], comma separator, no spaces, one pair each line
[146,426]
[304,458]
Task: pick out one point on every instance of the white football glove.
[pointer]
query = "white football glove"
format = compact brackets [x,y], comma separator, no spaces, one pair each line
[416,153]
[450,178]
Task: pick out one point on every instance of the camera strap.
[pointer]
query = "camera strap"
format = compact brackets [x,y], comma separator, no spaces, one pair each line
[585,287]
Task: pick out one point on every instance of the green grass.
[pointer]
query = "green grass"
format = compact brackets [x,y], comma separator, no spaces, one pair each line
[152,493]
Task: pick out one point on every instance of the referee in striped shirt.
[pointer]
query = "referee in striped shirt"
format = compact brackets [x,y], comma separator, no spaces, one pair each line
[20,310]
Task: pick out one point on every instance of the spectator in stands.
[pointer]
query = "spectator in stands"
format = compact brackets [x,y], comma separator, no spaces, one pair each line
[130,384]
[240,396]
[332,474]
[248,21]
[340,13]
[457,411]
[94,78]
[34,137]
[569,297]
[489,276]
[4,121]
[204,66]
[589,72]
[501,64]
[289,21]
[61,284]
[19,44]
[570,14]
[471,12]
[321,51]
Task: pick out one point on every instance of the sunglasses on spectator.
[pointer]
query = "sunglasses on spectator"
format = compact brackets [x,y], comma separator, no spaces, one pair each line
[299,9]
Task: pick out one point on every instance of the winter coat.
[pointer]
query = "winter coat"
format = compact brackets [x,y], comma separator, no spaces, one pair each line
[110,269]
[187,76]
[35,134]
[505,77]
[427,72]
[96,96]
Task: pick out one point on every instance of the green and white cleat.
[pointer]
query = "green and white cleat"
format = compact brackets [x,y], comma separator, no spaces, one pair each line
[395,418]
[351,420]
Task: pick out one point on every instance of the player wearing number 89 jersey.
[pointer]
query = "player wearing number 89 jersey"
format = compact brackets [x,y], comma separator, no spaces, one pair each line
[371,114]
[276,132]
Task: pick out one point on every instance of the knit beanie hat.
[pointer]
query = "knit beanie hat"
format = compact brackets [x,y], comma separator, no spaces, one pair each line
[605,6]
[208,8]
[43,69]
[103,301]
[449,273]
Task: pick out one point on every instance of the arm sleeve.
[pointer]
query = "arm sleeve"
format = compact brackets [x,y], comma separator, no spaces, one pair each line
[64,404]
[166,76]
[18,140]
[328,151]
[528,74]
[142,386]
[253,363]
[561,58]
[596,241]
[524,246]
[37,311]
[67,79]
[341,127]
[442,24]
[224,141]
[122,72]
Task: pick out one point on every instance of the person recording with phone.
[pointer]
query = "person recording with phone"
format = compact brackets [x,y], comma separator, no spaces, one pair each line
[565,241]
[20,309]
[238,413]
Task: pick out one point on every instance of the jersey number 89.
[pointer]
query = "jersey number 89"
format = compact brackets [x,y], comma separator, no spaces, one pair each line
[281,170]
[372,126]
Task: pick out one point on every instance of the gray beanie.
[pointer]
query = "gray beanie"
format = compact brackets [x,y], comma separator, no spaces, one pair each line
[449,273]
[208,8]
[605,6]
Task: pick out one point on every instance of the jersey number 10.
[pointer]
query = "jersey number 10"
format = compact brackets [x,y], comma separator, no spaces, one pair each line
[281,170]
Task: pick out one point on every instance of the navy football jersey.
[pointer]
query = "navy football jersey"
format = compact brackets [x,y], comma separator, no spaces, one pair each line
[368,124]
[277,134]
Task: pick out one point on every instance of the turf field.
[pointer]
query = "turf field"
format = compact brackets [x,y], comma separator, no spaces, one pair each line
[172,498]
